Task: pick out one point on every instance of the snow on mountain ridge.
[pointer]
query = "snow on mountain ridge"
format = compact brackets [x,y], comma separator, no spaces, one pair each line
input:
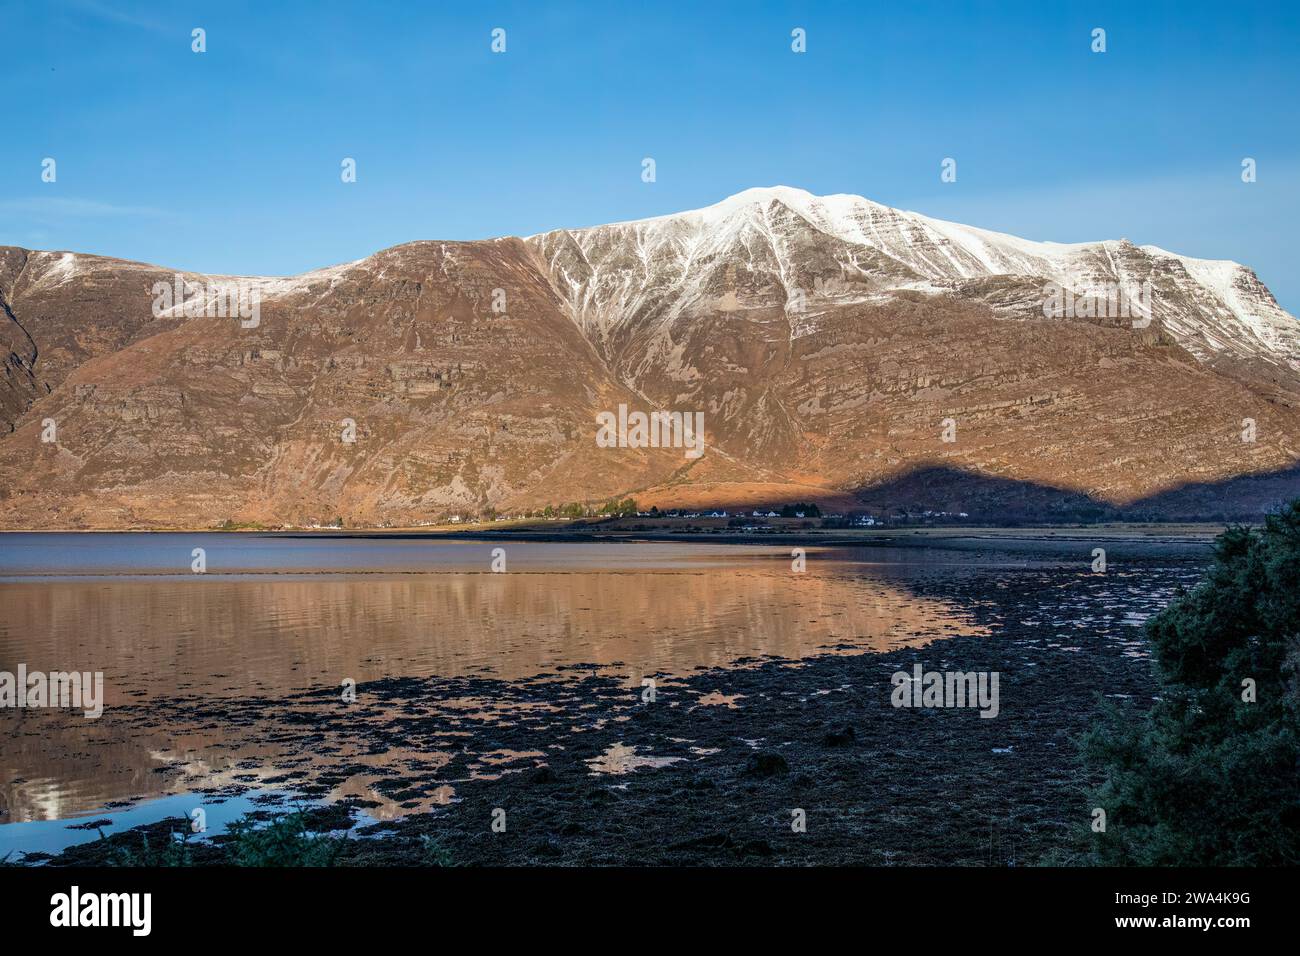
[669,265]
[780,247]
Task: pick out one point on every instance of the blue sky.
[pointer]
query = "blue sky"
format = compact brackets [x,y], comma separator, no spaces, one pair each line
[229,160]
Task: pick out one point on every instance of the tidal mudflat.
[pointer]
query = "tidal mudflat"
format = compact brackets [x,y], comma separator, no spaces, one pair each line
[621,702]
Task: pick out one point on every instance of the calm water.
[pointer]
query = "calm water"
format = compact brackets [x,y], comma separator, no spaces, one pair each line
[279,615]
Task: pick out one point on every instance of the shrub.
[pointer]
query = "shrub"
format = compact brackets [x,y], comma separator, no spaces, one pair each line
[1210,775]
[284,841]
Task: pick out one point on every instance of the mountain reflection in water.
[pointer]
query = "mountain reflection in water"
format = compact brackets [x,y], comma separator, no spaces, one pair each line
[631,611]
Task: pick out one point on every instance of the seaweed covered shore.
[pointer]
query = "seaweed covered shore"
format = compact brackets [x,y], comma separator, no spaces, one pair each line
[579,768]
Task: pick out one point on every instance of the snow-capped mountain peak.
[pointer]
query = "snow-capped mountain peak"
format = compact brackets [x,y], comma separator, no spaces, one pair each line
[773,246]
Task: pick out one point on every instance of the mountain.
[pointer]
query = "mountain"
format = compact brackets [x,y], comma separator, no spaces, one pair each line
[839,250]
[831,344]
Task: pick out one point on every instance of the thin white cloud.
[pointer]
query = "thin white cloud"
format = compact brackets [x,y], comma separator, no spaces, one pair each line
[105,12]
[63,207]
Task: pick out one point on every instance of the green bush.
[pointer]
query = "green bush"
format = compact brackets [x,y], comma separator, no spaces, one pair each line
[284,841]
[1210,776]
[169,850]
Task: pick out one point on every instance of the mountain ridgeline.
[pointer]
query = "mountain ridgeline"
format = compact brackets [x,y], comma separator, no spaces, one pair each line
[835,350]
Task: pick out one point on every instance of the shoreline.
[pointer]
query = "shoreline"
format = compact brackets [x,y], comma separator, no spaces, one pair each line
[608,527]
[916,535]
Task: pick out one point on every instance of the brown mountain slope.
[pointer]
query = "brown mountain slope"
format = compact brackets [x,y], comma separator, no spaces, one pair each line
[60,309]
[455,407]
[473,373]
[1078,407]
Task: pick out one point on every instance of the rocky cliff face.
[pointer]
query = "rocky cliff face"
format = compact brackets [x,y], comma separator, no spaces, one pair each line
[838,349]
